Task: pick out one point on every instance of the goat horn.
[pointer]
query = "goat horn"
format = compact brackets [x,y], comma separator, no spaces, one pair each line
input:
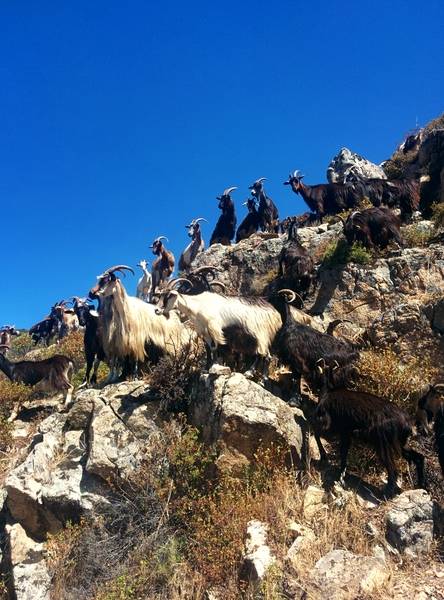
[298,174]
[228,191]
[200,219]
[292,294]
[438,386]
[161,237]
[219,283]
[120,268]
[207,268]
[180,280]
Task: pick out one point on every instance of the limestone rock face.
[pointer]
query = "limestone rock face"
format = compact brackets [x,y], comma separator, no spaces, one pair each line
[342,575]
[106,432]
[240,415]
[347,162]
[410,522]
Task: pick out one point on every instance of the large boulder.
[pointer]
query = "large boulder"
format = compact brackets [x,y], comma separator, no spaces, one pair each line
[347,162]
[106,432]
[239,417]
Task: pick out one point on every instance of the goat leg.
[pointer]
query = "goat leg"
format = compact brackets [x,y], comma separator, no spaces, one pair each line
[343,451]
[322,452]
[418,459]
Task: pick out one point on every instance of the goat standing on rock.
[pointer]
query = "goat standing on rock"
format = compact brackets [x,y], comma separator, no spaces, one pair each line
[226,225]
[130,330]
[295,265]
[325,198]
[376,421]
[163,267]
[195,247]
[144,284]
[50,374]
[267,210]
[304,349]
[251,223]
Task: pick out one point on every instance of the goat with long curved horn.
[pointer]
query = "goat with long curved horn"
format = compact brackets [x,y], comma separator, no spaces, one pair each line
[226,225]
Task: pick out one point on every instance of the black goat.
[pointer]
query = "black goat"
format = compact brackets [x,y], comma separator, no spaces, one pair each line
[50,374]
[347,414]
[295,265]
[373,227]
[44,330]
[310,353]
[251,222]
[92,345]
[393,193]
[267,210]
[326,198]
[431,408]
[226,225]
[303,220]
[198,281]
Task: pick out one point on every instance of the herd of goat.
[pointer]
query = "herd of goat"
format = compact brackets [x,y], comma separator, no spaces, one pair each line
[167,316]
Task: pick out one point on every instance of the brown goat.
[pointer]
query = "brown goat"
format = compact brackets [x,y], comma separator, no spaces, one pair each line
[162,267]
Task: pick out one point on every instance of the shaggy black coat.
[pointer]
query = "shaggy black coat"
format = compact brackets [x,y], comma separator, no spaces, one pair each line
[373,227]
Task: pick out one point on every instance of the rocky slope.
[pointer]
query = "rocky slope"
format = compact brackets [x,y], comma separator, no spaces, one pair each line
[116,492]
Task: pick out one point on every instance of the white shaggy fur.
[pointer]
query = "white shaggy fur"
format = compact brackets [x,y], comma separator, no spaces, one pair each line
[128,324]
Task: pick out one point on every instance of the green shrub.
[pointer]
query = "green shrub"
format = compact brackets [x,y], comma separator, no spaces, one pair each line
[20,346]
[339,253]
[416,235]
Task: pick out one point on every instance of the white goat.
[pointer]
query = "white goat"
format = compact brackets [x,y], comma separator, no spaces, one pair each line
[144,284]
[246,326]
[130,328]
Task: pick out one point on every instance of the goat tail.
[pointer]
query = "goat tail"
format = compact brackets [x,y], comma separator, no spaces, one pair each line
[439,436]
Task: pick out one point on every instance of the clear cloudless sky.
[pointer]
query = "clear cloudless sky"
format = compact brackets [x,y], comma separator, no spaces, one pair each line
[121,121]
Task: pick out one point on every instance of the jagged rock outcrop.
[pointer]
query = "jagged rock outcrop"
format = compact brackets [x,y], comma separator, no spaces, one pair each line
[72,454]
[239,416]
[63,477]
[347,162]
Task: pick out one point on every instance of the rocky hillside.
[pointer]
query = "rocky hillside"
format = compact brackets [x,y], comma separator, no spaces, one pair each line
[193,485]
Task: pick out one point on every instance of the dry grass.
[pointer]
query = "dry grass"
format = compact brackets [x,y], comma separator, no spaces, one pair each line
[381,372]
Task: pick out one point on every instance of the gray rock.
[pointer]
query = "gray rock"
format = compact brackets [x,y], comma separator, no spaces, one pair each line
[347,163]
[409,523]
[30,579]
[62,478]
[342,575]
[258,557]
[240,416]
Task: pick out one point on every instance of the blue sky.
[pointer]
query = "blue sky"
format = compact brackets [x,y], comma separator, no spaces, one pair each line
[122,121]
